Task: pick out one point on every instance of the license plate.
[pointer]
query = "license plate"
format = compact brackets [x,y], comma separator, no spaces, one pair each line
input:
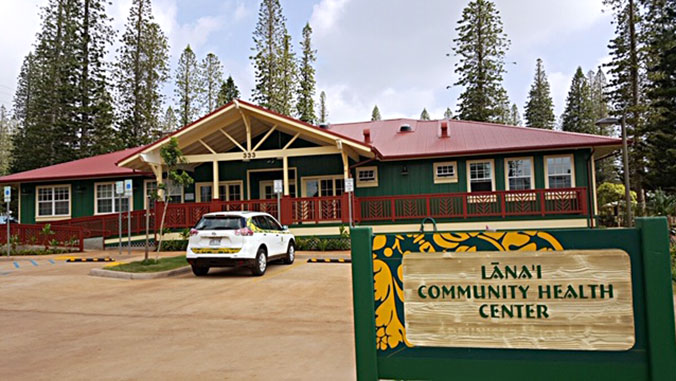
[214,242]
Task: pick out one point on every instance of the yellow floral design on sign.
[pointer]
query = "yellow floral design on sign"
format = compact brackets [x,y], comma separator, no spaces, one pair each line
[389,249]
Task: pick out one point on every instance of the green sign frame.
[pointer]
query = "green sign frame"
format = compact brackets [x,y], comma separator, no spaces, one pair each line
[382,350]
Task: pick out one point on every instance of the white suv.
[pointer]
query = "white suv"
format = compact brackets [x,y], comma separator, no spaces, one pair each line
[252,239]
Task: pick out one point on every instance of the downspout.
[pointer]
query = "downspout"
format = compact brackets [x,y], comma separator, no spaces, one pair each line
[590,191]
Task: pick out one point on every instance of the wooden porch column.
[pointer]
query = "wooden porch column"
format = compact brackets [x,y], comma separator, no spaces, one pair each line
[214,187]
[157,171]
[346,165]
[285,170]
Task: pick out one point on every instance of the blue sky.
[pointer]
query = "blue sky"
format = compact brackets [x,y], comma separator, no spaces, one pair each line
[391,53]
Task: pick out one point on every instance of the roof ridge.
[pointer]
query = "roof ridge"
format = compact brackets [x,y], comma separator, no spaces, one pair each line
[557,132]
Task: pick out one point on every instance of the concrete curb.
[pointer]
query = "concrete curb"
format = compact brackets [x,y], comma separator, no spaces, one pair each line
[125,275]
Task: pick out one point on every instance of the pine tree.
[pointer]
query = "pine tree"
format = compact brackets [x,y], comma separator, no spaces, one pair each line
[168,125]
[375,114]
[26,112]
[481,45]
[286,79]
[305,105]
[606,170]
[323,111]
[514,116]
[141,68]
[268,37]
[188,87]
[625,91]
[578,115]
[503,109]
[228,92]
[448,114]
[540,107]
[6,141]
[211,73]
[661,94]
[424,115]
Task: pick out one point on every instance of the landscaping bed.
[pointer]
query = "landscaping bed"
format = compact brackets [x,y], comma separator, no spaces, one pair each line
[151,265]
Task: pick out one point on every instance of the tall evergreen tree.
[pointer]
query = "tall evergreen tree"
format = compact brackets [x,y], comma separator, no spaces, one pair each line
[323,111]
[503,108]
[211,73]
[606,170]
[625,91]
[141,68]
[661,95]
[448,114]
[27,134]
[481,45]
[540,107]
[375,114]
[6,141]
[514,116]
[578,115]
[228,92]
[188,87]
[286,79]
[168,124]
[269,40]
[305,105]
[424,115]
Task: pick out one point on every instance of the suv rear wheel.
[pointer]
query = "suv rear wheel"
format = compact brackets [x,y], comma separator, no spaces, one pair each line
[260,263]
[200,270]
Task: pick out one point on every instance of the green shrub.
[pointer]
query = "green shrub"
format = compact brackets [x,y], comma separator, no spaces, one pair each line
[174,245]
[322,244]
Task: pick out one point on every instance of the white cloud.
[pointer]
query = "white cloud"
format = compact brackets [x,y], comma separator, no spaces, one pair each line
[325,14]
[240,12]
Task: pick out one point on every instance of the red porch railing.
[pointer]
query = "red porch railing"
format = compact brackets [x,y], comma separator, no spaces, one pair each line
[303,210]
[107,225]
[537,202]
[65,236]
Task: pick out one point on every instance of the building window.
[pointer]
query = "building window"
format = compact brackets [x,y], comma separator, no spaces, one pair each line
[559,171]
[323,186]
[150,190]
[227,191]
[107,201]
[367,177]
[174,192]
[53,201]
[481,176]
[519,173]
[445,172]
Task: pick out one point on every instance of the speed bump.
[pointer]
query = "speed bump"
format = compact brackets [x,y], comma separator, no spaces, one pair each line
[329,260]
[106,259]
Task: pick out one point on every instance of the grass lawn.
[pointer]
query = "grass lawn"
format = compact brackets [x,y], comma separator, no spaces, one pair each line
[152,265]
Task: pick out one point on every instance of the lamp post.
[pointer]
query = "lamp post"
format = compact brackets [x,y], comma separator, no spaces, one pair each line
[625,162]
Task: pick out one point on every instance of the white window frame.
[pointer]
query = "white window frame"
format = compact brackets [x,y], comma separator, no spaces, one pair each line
[469,173]
[115,197]
[367,183]
[53,216]
[304,180]
[572,169]
[145,191]
[532,171]
[198,188]
[445,179]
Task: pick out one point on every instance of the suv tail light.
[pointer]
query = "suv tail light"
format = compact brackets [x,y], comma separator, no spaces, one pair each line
[193,232]
[244,232]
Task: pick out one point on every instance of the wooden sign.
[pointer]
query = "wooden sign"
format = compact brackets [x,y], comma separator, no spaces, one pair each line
[572,299]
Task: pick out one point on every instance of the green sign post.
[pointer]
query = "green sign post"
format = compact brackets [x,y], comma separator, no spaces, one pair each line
[646,350]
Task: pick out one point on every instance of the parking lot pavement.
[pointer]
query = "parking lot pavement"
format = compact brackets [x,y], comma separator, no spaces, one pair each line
[293,323]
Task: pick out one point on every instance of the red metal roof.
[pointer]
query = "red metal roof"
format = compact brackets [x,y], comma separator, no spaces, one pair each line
[465,138]
[91,167]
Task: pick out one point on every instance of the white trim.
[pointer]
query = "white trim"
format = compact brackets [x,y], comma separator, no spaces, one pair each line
[145,191]
[115,197]
[532,170]
[199,185]
[572,168]
[53,217]
[593,186]
[446,180]
[248,178]
[367,184]
[469,173]
[305,179]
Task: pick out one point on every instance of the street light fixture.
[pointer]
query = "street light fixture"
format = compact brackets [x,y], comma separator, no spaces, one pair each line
[625,162]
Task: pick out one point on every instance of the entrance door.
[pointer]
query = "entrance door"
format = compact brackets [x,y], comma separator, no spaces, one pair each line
[267,189]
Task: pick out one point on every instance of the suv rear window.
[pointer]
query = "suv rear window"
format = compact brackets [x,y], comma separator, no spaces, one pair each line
[220,223]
